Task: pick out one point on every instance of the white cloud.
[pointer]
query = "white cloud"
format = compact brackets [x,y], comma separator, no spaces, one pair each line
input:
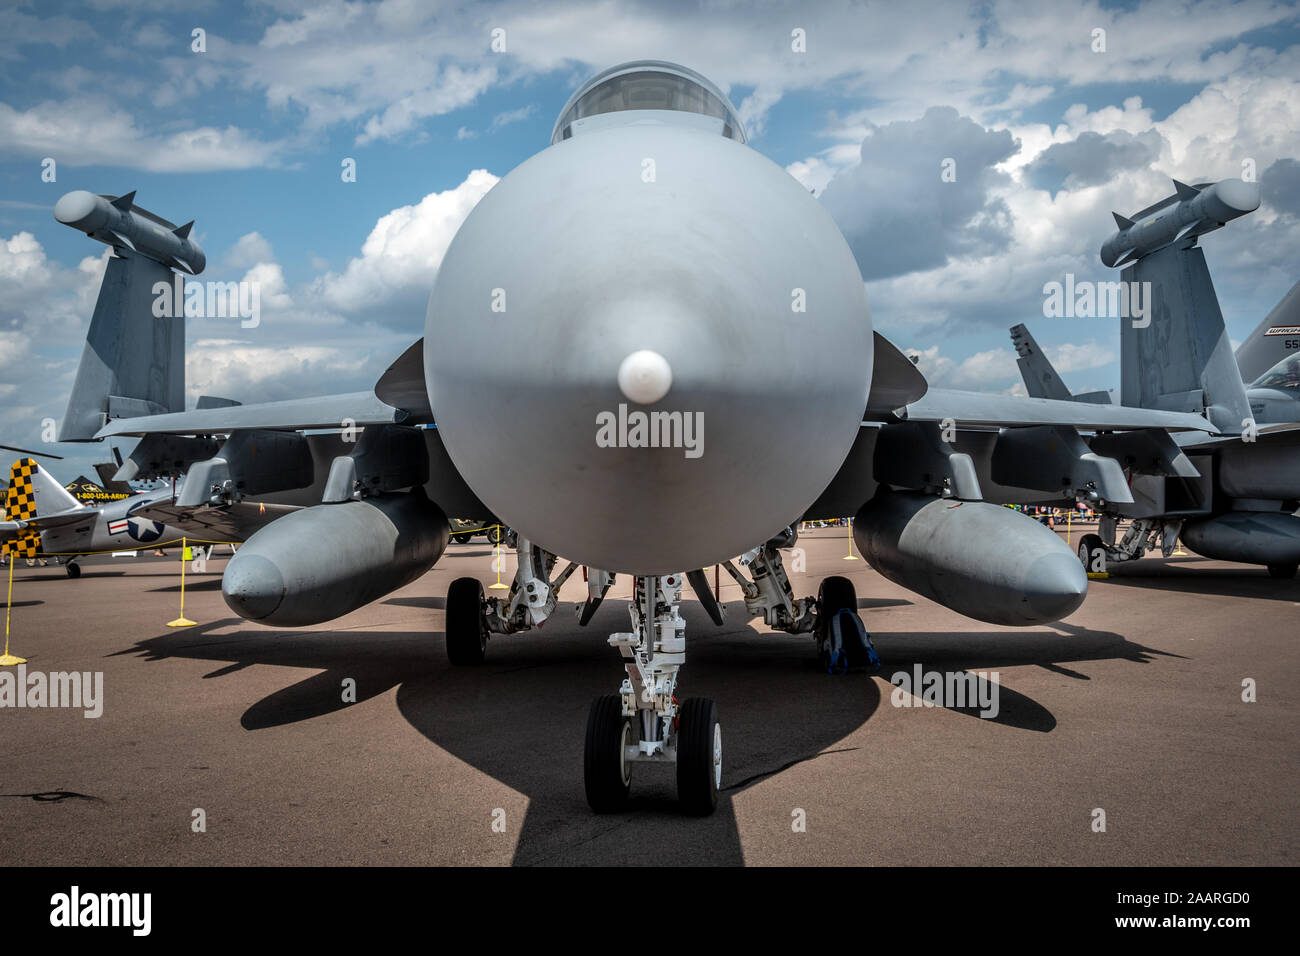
[978,372]
[402,254]
[92,131]
[512,116]
[1070,357]
[250,371]
[249,250]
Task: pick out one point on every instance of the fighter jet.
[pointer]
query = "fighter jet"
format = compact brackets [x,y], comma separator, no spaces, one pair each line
[648,350]
[1232,497]
[1268,360]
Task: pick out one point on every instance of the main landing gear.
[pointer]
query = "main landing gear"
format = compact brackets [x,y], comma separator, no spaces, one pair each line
[472,617]
[643,722]
[832,618]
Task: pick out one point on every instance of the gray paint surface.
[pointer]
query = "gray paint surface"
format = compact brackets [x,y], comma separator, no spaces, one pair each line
[940,548]
[128,353]
[691,266]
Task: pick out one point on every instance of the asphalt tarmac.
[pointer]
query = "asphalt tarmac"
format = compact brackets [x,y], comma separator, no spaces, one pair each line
[1133,706]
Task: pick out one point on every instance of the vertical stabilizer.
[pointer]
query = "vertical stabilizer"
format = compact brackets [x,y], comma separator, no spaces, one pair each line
[133,362]
[1041,379]
[1180,358]
[1276,338]
[32,493]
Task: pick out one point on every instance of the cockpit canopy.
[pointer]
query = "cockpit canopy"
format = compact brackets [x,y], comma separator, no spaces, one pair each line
[1285,374]
[649,85]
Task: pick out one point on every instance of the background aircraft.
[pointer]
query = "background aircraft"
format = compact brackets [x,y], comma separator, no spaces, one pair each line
[43,519]
[647,349]
[1231,497]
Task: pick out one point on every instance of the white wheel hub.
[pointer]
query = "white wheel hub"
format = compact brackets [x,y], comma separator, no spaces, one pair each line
[717,756]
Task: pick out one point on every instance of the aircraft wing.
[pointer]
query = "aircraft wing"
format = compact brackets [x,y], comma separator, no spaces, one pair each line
[235,522]
[989,410]
[327,411]
[46,522]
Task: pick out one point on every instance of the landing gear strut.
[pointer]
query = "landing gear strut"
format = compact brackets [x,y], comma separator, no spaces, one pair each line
[832,618]
[472,617]
[643,722]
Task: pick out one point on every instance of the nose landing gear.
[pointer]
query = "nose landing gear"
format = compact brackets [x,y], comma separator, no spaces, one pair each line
[643,722]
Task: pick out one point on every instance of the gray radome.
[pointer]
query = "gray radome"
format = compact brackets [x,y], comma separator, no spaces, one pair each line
[699,265]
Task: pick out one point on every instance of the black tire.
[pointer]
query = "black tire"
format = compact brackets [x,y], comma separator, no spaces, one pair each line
[495,534]
[833,595]
[1089,545]
[467,633]
[606,773]
[74,569]
[1282,571]
[699,756]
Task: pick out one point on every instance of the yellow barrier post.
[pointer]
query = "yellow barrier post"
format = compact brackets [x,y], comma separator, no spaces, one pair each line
[501,533]
[9,660]
[850,556]
[183,621]
[1069,518]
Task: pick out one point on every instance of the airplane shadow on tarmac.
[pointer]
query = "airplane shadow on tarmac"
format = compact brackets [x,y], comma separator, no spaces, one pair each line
[521,717]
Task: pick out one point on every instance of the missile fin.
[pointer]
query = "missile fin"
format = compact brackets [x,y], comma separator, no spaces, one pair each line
[123,240]
[1122,221]
[1190,227]
[184,231]
[184,265]
[125,201]
[1185,191]
[1124,257]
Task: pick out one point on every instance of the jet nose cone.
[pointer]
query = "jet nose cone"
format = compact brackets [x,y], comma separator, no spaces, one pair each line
[667,411]
[645,377]
[252,586]
[1057,586]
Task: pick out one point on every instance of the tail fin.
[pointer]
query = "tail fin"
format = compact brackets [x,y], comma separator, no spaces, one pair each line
[1040,376]
[106,470]
[31,493]
[1041,380]
[133,363]
[1276,338]
[1180,359]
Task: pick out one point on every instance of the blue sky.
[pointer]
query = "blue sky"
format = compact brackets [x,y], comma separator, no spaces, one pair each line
[247,138]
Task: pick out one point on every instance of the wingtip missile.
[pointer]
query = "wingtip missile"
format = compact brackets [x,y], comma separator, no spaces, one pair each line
[120,223]
[1190,212]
